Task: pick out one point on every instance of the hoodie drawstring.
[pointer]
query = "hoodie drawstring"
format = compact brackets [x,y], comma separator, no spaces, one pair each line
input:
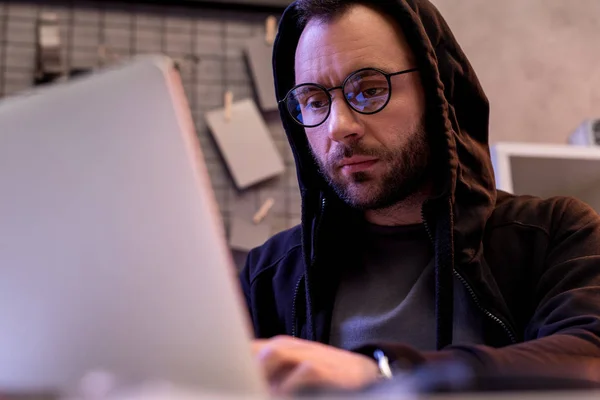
[444,277]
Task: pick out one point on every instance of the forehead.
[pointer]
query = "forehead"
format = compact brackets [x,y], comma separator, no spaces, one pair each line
[361,37]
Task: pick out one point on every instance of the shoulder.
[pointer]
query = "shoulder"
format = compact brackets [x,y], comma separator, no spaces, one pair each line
[545,215]
[284,247]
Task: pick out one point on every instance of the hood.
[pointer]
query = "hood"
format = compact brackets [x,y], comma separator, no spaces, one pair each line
[457,116]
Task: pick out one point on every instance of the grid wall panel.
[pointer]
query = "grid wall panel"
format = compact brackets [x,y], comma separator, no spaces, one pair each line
[208,46]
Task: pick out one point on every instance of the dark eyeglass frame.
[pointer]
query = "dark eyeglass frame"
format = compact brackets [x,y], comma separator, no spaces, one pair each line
[387,75]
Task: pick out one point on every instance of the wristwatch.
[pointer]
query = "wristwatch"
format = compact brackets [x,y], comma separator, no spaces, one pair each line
[383,363]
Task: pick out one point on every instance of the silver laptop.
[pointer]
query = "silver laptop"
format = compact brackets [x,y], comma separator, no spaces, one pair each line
[112,250]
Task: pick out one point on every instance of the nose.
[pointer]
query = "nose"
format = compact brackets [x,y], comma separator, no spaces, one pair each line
[343,124]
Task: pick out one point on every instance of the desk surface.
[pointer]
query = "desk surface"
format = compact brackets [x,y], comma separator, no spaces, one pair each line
[190,395]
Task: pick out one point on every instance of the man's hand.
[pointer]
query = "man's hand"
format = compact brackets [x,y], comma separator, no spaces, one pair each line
[293,364]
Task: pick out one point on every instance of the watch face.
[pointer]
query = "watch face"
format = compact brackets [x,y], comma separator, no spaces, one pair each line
[596,131]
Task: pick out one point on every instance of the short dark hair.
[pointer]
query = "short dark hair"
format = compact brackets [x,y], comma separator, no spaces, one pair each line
[323,10]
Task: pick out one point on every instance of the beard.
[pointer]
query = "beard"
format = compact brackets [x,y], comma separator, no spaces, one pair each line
[406,171]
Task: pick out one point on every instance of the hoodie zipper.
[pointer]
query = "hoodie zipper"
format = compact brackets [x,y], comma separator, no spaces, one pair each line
[463,281]
[294,304]
[491,316]
[318,228]
[294,323]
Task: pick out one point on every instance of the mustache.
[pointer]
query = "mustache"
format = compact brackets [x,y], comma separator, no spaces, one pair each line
[347,151]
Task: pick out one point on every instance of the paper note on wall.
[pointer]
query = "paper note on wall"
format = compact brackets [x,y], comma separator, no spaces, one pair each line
[245,143]
[259,54]
[246,235]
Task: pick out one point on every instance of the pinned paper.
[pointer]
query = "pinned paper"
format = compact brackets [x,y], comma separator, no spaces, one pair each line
[245,143]
[245,235]
[259,56]
[263,210]
[228,105]
[270,30]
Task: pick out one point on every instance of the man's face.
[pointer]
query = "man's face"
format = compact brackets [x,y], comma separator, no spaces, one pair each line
[371,161]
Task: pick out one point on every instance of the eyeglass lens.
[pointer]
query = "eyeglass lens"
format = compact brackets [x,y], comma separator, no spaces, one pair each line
[366,91]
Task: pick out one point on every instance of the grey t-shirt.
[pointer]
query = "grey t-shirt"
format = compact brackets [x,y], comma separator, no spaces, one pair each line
[390,296]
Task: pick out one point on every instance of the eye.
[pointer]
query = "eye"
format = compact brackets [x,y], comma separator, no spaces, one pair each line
[371,88]
[315,104]
[374,92]
[315,101]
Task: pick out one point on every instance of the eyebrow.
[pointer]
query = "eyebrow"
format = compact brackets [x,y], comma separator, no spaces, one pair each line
[386,69]
[305,89]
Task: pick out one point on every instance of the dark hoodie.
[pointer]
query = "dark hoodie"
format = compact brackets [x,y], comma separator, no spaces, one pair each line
[531,266]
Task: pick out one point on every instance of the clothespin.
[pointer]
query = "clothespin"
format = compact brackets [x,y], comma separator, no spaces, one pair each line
[228,105]
[48,32]
[102,54]
[49,59]
[106,55]
[187,60]
[263,210]
[270,30]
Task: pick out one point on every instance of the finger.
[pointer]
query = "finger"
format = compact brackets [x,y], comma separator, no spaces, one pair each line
[258,345]
[281,355]
[276,361]
[279,376]
[303,377]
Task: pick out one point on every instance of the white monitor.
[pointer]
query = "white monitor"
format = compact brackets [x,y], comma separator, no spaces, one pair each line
[111,245]
[547,170]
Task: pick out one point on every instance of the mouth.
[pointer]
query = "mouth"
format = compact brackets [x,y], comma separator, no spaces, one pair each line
[357,164]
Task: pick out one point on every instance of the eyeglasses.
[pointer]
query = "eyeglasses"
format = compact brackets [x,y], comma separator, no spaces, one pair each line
[366,91]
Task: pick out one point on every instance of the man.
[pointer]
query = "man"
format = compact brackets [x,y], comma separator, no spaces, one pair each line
[407,254]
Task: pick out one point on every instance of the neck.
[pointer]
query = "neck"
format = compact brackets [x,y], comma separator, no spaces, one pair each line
[405,212]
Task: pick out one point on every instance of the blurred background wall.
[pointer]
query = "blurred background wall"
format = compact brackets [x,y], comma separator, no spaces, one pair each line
[538,61]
